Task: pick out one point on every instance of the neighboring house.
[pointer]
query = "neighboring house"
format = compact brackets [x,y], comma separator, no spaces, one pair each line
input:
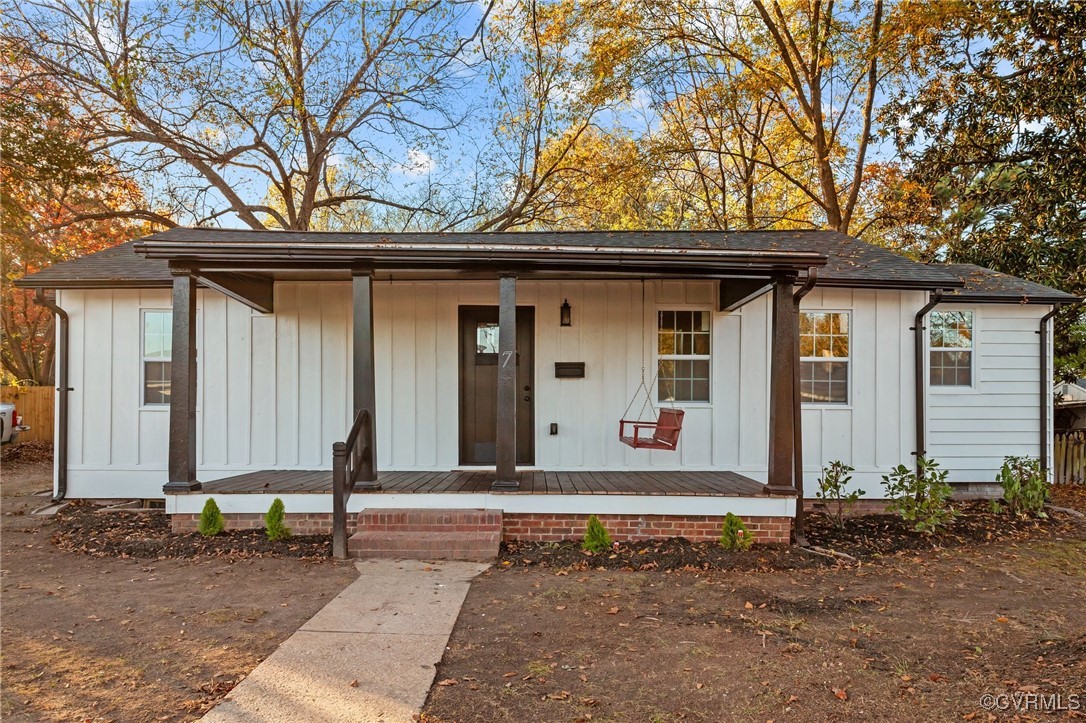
[1071,405]
[227,363]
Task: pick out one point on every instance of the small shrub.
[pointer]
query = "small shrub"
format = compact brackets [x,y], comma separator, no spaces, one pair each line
[596,538]
[831,489]
[211,521]
[734,534]
[921,499]
[1025,486]
[273,522]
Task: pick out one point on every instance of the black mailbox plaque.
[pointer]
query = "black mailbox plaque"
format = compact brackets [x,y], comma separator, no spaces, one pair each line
[569,370]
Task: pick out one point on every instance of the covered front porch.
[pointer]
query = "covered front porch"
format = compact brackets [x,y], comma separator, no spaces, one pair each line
[249,270]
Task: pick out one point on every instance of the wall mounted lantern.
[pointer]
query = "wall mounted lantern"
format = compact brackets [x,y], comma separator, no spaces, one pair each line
[566,315]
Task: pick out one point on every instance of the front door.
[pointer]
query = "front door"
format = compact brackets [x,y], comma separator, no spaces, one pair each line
[479,384]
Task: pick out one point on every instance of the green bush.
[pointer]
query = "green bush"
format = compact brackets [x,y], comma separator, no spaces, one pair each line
[211,521]
[596,538]
[273,522]
[734,535]
[831,489]
[1025,486]
[921,499]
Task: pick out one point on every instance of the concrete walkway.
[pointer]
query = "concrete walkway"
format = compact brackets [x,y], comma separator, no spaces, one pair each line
[368,656]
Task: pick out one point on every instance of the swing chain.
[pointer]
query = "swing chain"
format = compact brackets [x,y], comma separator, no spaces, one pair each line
[643,387]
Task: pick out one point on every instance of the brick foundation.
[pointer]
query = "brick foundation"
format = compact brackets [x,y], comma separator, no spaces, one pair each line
[540,527]
[543,527]
[319,523]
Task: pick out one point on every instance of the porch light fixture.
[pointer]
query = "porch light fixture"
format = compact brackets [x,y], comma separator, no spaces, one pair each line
[566,315]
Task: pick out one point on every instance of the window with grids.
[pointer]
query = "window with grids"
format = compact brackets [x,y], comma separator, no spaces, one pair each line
[824,357]
[683,356]
[950,348]
[157,355]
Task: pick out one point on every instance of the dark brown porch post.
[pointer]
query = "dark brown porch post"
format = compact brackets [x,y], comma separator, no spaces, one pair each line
[365,375]
[182,455]
[506,441]
[782,422]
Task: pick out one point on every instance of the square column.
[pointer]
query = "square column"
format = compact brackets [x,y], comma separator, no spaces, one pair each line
[365,375]
[182,454]
[506,442]
[783,363]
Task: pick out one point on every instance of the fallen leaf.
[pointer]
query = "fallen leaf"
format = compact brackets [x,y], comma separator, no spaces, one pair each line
[559,607]
[353,683]
[613,611]
[1002,619]
[841,693]
[448,681]
[748,605]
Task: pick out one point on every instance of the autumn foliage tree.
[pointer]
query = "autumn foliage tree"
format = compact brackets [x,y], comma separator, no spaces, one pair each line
[995,133]
[58,201]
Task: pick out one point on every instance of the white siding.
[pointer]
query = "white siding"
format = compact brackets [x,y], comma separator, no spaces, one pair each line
[274,390]
[875,430]
[971,429]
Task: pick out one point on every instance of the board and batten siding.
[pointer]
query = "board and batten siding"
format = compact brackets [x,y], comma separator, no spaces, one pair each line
[274,390]
[971,429]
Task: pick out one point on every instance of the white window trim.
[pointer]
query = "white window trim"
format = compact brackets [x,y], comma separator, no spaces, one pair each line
[848,359]
[658,357]
[971,388]
[144,406]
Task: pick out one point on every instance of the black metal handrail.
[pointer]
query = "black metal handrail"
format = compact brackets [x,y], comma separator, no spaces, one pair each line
[350,460]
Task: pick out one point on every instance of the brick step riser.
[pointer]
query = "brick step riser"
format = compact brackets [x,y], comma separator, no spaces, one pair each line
[468,555]
[482,529]
[432,518]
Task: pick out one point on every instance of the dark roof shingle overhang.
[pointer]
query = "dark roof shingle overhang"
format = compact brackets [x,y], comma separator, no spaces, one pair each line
[983,285]
[845,261]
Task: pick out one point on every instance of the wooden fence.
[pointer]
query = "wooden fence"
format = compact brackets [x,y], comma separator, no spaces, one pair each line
[1069,463]
[35,406]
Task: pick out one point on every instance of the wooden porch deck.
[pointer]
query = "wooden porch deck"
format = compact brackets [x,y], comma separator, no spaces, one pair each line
[698,484]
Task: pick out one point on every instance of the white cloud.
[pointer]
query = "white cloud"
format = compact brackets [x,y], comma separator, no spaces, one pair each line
[418,163]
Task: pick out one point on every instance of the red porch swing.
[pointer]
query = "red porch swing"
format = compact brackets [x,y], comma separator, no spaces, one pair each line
[661,434]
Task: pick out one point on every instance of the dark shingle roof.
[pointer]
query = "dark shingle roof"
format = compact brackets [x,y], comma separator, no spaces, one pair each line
[116,266]
[851,262]
[982,283]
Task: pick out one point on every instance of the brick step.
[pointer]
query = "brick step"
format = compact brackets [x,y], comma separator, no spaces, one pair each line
[434,545]
[437,520]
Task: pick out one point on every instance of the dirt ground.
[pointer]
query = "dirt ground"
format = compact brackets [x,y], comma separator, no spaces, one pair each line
[106,639]
[918,636]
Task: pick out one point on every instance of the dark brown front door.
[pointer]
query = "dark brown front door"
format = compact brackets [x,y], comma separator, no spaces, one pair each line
[479,384]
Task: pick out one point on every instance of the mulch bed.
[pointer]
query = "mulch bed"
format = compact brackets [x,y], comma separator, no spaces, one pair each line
[864,537]
[90,529]
[870,536]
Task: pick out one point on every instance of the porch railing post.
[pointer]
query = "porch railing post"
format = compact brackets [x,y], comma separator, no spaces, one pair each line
[506,441]
[365,375]
[781,389]
[339,500]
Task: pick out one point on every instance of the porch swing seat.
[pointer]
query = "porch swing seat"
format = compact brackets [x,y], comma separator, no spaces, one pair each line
[664,431]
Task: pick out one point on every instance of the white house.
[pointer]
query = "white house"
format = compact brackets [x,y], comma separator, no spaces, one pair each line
[491,371]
